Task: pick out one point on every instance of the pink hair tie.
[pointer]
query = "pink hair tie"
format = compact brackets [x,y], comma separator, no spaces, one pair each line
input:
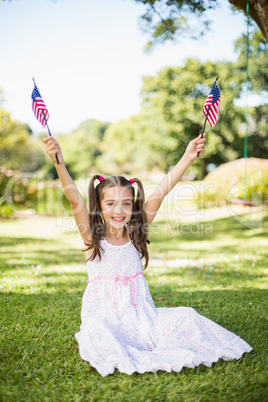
[131,181]
[100,178]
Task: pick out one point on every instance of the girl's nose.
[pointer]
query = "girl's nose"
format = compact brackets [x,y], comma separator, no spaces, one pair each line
[118,209]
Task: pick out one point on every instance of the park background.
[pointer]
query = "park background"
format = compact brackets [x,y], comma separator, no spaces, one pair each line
[125,100]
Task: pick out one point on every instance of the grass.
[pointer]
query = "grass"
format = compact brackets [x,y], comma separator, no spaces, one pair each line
[221,273]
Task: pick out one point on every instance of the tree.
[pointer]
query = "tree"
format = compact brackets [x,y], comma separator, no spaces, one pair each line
[170,19]
[258,61]
[81,147]
[258,84]
[171,116]
[258,11]
[18,150]
[136,144]
[178,94]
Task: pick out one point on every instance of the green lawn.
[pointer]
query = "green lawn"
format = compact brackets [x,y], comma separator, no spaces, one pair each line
[220,270]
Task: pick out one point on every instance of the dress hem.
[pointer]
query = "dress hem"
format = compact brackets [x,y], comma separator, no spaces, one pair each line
[167,368]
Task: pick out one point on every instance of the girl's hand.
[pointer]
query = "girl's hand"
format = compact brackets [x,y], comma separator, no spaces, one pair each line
[52,148]
[195,146]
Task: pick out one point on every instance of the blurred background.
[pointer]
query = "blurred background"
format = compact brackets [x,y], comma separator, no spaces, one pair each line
[125,82]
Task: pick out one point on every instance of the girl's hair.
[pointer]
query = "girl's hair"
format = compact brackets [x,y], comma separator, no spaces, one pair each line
[138,226]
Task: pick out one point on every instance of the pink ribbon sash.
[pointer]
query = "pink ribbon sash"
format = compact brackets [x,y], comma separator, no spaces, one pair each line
[125,280]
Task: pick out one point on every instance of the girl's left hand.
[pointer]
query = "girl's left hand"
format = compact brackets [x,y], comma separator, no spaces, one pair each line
[195,146]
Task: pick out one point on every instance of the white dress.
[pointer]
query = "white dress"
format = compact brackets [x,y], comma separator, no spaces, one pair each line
[121,327]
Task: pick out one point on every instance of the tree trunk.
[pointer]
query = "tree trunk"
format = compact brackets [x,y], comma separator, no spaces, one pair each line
[203,169]
[258,11]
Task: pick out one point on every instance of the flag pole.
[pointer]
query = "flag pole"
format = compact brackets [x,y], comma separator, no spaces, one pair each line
[44,115]
[204,127]
[206,119]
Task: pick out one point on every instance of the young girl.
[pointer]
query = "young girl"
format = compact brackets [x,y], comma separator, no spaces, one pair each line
[121,327]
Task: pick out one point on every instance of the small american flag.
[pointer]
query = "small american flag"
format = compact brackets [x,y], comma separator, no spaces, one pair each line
[38,106]
[212,104]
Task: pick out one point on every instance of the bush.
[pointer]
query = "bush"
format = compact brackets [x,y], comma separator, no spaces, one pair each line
[228,181]
[21,191]
[17,192]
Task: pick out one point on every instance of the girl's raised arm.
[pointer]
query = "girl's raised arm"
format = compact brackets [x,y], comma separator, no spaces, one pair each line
[70,189]
[171,178]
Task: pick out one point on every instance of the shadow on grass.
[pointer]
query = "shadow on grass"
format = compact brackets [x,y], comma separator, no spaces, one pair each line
[222,276]
[13,241]
[35,254]
[170,231]
[234,227]
[177,249]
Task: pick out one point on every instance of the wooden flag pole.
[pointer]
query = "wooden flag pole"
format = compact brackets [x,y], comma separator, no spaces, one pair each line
[57,159]
[204,126]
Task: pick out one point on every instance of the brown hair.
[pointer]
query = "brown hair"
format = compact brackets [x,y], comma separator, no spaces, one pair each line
[138,226]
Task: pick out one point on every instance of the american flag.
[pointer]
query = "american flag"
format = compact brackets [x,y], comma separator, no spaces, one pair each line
[39,108]
[212,104]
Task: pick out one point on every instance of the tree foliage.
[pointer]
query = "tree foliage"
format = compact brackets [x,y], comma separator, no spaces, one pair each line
[257,61]
[18,150]
[82,146]
[164,19]
[173,19]
[131,145]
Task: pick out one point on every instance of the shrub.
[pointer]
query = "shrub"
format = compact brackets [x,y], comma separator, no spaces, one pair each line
[21,191]
[228,181]
[17,192]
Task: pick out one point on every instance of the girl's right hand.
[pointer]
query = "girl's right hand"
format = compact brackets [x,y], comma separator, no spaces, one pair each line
[52,148]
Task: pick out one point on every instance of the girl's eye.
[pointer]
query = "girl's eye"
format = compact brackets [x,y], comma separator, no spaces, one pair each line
[127,204]
[111,203]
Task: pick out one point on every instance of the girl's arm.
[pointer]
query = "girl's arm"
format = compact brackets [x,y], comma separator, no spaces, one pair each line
[171,179]
[70,189]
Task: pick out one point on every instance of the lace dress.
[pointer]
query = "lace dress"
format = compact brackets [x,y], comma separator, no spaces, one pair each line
[121,327]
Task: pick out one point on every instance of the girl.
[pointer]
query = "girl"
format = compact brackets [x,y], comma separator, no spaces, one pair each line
[121,327]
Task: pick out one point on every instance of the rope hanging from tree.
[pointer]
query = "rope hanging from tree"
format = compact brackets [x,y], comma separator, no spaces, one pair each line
[235,200]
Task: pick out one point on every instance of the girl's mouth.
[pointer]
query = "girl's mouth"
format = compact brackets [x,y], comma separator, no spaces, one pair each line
[118,219]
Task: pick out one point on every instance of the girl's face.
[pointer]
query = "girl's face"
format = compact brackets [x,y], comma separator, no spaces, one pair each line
[116,206]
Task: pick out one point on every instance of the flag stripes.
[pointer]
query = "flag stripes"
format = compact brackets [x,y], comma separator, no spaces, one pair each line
[39,107]
[212,105]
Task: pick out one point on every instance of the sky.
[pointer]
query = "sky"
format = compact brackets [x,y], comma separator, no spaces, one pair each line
[88,58]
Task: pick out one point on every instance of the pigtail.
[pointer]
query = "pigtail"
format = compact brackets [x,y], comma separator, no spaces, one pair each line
[139,227]
[96,225]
